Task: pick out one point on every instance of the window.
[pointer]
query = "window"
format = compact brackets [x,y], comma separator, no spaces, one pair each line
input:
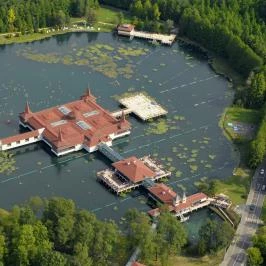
[63,109]
[82,124]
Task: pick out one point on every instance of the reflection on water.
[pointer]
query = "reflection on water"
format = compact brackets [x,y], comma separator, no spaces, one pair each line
[191,144]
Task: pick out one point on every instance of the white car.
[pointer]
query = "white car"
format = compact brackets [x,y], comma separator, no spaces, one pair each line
[261,171]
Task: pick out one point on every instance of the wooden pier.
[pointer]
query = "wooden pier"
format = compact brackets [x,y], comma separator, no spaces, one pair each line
[162,38]
[129,30]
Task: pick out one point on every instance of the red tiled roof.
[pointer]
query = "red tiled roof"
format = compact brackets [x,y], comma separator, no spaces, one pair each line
[134,169]
[162,192]
[135,263]
[101,123]
[168,198]
[154,212]
[190,200]
[125,27]
[19,137]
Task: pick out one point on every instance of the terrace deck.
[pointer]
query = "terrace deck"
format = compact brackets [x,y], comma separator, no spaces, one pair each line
[142,106]
[118,184]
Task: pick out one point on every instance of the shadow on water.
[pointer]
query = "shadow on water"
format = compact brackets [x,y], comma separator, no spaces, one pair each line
[62,38]
[92,36]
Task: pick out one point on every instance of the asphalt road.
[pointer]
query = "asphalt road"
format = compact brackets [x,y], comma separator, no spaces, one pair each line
[250,220]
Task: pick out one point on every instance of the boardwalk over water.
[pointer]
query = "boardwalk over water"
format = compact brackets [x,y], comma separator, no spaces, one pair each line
[162,38]
[129,30]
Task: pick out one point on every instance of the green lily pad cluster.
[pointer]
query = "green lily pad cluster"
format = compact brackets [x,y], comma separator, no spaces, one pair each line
[103,58]
[7,163]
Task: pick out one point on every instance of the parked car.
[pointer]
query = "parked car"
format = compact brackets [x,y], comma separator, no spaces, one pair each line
[252,207]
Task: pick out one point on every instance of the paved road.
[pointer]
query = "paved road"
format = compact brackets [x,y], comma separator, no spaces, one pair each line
[235,255]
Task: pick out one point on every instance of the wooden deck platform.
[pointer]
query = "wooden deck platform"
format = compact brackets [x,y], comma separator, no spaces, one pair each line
[162,38]
[142,106]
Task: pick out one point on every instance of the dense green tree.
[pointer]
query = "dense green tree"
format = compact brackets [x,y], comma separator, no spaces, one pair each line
[259,241]
[214,236]
[30,15]
[254,257]
[58,216]
[11,18]
[120,17]
[52,258]
[257,90]
[91,17]
[81,256]
[137,8]
[155,12]
[2,249]
[105,243]
[171,237]
[140,234]
[168,25]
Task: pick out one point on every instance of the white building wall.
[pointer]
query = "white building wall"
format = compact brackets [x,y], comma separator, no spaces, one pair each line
[23,142]
[116,136]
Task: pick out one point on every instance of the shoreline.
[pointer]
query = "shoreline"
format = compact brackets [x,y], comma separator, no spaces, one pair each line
[218,64]
[27,38]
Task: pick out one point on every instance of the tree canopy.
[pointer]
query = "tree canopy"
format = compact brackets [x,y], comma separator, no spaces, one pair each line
[213,236]
[55,233]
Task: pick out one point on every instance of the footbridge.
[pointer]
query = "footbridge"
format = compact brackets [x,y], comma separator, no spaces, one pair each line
[111,154]
[119,113]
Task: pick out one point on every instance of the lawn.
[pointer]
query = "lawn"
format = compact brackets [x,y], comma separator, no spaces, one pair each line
[106,15]
[196,261]
[237,186]
[111,15]
[246,120]
[238,114]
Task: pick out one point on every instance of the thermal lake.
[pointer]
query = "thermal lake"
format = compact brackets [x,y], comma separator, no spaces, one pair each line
[188,141]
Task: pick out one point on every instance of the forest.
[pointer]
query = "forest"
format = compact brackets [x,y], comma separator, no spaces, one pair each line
[55,232]
[31,15]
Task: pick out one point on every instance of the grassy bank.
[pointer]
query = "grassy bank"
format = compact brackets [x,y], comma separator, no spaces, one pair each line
[211,260]
[235,115]
[236,186]
[107,19]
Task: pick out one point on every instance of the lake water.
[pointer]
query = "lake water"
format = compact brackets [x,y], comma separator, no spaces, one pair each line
[57,70]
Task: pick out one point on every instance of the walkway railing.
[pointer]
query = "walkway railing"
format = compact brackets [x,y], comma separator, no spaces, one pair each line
[111,154]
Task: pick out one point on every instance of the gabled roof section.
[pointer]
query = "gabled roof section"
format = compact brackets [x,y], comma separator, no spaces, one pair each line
[133,169]
[163,193]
